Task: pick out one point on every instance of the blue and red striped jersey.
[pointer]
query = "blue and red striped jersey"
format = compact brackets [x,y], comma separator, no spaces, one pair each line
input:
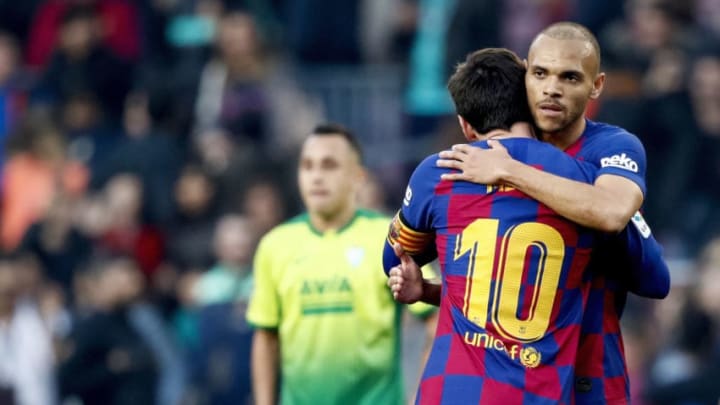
[601,373]
[514,286]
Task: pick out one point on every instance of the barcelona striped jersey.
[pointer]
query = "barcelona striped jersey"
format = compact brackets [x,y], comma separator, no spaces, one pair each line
[601,375]
[513,283]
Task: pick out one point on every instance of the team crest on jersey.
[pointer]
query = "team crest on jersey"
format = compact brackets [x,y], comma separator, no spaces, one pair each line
[530,357]
[355,255]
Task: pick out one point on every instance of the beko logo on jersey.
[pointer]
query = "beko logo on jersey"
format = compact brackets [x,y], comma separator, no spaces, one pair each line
[621,161]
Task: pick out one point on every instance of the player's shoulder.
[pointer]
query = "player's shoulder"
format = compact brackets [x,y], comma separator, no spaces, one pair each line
[295,227]
[596,132]
[366,218]
[429,165]
[425,176]
[534,152]
[609,145]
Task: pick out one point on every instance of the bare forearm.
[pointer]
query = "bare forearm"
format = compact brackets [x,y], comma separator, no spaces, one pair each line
[588,205]
[431,292]
[265,364]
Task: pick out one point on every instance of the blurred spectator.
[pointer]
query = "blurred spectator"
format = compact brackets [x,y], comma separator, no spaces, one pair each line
[92,216]
[32,177]
[229,164]
[26,356]
[475,24]
[263,203]
[649,26]
[222,362]
[12,94]
[231,93]
[153,157]
[308,23]
[698,135]
[522,20]
[118,26]
[223,357]
[81,64]
[57,242]
[231,277]
[708,15]
[180,33]
[108,359]
[189,245]
[699,372]
[126,232]
[91,139]
[148,323]
[242,93]
[387,29]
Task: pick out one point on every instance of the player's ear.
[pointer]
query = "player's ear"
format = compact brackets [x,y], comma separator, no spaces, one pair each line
[361,174]
[598,84]
[467,129]
[525,63]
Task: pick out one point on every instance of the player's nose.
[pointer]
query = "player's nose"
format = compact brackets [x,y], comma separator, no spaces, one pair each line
[552,87]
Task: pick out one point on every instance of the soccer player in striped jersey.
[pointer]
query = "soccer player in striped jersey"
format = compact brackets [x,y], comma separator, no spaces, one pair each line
[513,288]
[563,75]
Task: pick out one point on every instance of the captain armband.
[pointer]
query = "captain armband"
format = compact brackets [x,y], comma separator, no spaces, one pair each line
[412,241]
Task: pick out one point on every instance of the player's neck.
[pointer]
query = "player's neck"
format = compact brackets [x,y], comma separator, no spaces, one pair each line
[517,130]
[564,138]
[332,222]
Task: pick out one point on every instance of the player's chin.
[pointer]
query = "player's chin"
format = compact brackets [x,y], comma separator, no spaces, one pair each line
[550,125]
[323,207]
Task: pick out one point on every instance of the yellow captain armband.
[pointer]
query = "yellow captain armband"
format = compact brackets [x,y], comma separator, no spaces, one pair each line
[414,242]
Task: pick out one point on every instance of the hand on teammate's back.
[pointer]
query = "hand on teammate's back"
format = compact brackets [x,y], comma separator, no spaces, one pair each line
[477,165]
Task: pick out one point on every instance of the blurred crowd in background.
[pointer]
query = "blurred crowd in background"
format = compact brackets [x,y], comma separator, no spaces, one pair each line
[146,146]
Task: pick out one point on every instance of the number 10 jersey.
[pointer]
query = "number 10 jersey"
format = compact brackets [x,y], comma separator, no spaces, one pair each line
[514,285]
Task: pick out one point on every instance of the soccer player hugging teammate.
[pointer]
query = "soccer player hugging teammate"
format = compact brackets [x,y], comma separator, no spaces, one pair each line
[563,74]
[513,290]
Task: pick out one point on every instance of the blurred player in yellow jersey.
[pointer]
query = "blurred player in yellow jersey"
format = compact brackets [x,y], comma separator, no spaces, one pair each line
[326,326]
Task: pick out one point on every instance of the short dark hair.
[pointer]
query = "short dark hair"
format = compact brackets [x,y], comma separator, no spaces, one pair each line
[337,129]
[488,90]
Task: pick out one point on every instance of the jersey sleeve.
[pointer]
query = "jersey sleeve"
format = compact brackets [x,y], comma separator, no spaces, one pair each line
[412,225]
[263,309]
[649,275]
[622,154]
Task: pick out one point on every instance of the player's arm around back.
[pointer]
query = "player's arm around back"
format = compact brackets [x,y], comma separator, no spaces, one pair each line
[607,205]
[649,275]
